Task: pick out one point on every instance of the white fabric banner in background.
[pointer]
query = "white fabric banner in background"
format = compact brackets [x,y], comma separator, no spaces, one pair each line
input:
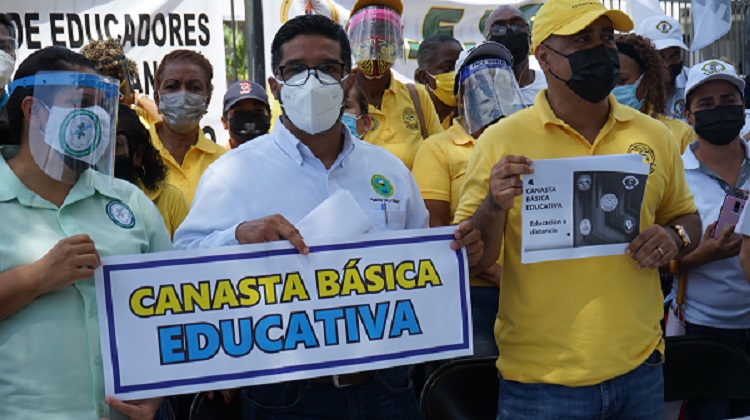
[639,10]
[711,20]
[149,29]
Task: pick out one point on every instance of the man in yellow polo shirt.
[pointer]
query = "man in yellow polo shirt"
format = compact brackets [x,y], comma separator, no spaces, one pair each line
[377,39]
[579,338]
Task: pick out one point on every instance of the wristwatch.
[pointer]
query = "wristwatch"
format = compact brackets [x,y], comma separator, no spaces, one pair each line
[682,233]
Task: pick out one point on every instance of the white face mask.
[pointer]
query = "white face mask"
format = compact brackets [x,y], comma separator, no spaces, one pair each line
[313,107]
[7,64]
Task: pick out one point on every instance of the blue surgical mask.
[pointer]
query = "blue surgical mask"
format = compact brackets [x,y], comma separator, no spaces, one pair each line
[625,94]
[350,120]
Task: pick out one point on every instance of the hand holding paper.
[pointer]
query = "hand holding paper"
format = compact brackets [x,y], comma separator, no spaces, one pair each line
[505,180]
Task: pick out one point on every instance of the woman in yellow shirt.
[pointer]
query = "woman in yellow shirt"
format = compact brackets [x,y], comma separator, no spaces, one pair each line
[183,90]
[485,91]
[138,162]
[644,82]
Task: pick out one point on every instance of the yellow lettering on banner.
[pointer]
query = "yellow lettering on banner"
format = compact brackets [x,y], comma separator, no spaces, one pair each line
[136,302]
[403,281]
[428,274]
[294,287]
[224,295]
[269,287]
[193,297]
[168,301]
[248,291]
[390,280]
[328,283]
[374,279]
[352,279]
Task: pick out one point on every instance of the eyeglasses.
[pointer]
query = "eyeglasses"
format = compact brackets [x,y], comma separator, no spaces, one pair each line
[334,71]
[500,29]
[8,44]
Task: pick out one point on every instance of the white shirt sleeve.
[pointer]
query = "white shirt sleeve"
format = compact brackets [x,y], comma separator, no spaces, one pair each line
[417,216]
[212,219]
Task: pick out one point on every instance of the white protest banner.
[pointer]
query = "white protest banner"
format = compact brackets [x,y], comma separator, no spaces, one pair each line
[711,20]
[581,207]
[188,321]
[148,29]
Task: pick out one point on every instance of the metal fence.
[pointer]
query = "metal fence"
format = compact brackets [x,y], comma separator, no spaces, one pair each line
[734,46]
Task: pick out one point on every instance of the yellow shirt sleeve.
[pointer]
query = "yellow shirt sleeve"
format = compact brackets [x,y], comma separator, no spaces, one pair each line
[677,200]
[431,172]
[476,183]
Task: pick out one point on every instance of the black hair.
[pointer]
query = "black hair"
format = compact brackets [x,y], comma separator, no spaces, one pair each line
[5,21]
[154,169]
[429,47]
[310,25]
[46,59]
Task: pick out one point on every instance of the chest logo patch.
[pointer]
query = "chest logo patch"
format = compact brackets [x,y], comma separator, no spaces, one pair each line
[410,119]
[120,214]
[381,185]
[645,151]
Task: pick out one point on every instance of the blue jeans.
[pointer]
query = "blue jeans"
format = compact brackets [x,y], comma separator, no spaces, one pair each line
[389,395]
[638,394]
[710,409]
[484,302]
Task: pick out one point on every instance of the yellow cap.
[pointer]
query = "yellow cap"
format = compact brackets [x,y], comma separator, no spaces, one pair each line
[568,17]
[391,4]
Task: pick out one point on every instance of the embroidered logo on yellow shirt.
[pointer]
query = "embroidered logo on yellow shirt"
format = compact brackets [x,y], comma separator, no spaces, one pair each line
[645,151]
[410,119]
[120,214]
[381,185]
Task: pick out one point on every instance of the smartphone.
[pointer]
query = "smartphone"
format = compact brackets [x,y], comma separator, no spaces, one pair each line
[729,214]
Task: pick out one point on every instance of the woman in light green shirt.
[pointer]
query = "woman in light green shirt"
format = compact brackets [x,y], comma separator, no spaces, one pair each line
[59,213]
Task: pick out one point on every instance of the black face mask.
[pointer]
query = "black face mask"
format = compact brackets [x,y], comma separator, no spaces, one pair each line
[595,72]
[674,71]
[249,125]
[720,125]
[124,168]
[516,42]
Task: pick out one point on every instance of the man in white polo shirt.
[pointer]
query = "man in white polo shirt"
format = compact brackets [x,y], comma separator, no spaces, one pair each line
[255,193]
[666,34]
[716,166]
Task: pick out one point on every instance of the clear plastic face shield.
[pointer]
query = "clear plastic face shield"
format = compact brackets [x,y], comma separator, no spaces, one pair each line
[377,39]
[485,94]
[73,123]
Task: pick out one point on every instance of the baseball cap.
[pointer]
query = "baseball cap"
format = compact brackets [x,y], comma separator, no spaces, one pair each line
[568,17]
[487,49]
[391,4]
[244,89]
[712,70]
[663,31]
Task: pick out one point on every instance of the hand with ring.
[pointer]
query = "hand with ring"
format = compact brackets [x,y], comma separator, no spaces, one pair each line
[652,248]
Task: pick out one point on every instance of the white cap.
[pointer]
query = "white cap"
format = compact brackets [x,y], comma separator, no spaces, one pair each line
[664,31]
[712,70]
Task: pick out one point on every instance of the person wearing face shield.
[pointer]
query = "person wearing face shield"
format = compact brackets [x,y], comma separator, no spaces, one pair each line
[507,26]
[280,178]
[485,94]
[717,166]
[183,90]
[247,114]
[404,115]
[666,34]
[8,46]
[61,212]
[600,315]
[436,62]
[643,84]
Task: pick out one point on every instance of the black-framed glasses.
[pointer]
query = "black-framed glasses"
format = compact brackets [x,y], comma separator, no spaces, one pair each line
[297,74]
[499,29]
